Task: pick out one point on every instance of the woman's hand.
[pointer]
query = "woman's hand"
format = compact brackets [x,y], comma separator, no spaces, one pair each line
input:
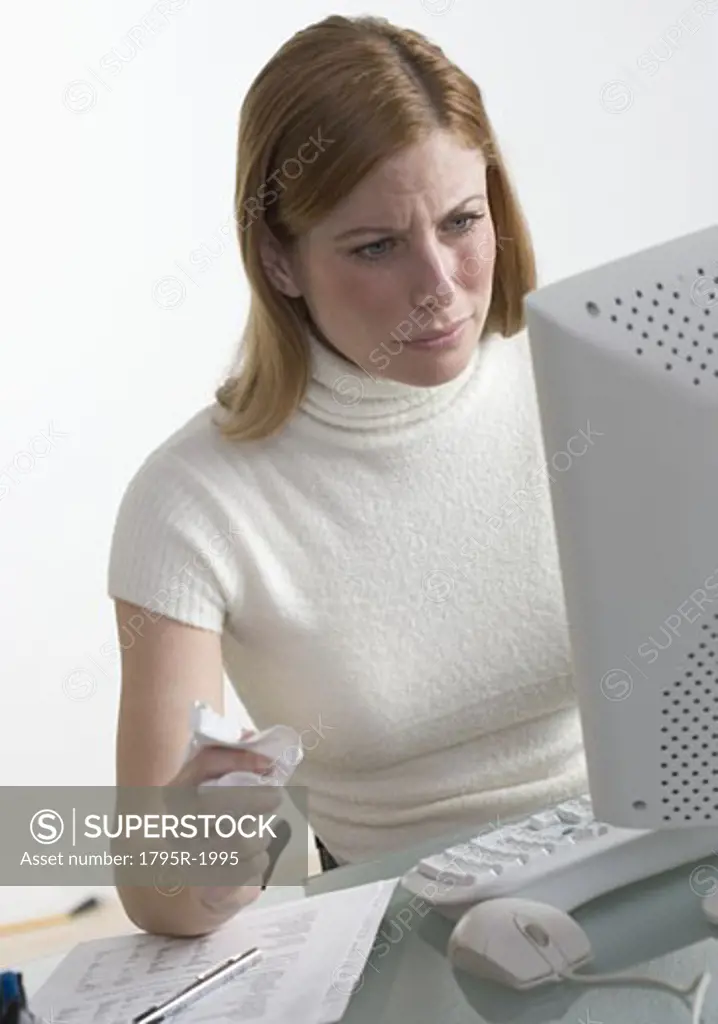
[185,794]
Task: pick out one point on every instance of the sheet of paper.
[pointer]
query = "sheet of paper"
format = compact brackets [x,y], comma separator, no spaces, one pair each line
[307,945]
[348,973]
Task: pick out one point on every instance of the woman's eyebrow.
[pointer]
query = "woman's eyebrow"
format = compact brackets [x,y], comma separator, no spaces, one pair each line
[372,230]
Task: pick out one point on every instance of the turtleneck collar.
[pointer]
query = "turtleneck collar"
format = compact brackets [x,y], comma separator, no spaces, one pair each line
[344,395]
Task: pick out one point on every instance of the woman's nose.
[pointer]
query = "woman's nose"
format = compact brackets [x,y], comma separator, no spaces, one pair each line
[433,278]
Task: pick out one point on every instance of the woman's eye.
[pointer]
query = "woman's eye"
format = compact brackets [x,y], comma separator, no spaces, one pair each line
[469,220]
[369,251]
[463,224]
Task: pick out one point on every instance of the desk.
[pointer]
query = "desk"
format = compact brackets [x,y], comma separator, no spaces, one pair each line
[655,926]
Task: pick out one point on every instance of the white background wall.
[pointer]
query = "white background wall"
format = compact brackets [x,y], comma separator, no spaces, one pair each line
[119,134]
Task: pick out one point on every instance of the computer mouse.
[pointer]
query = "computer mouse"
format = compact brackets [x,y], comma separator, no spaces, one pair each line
[517,942]
[709,906]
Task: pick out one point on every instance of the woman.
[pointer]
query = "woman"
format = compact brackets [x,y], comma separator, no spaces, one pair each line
[359,529]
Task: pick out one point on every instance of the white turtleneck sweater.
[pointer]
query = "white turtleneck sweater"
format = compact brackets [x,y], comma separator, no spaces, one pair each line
[385,579]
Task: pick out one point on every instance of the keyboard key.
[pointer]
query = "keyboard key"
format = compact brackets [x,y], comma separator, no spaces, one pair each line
[487,843]
[555,834]
[471,852]
[443,868]
[495,868]
[583,833]
[524,848]
[524,838]
[515,860]
[508,860]
[463,862]
[514,851]
[570,816]
[538,822]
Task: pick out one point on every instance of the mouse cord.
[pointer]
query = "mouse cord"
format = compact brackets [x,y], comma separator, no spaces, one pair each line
[699,984]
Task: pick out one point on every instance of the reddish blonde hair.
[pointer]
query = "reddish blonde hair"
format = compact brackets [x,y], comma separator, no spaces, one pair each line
[334,101]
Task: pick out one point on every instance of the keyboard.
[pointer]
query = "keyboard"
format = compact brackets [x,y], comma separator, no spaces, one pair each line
[562,856]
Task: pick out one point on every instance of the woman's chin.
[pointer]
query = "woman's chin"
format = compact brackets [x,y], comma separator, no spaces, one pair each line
[427,367]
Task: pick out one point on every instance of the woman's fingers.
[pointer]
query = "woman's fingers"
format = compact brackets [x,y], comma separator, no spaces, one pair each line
[233,796]
[223,796]
[239,799]
[214,762]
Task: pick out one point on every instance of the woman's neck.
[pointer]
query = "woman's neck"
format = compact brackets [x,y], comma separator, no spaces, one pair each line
[343,394]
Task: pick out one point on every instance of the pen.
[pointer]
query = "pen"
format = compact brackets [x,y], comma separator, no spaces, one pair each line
[13,1001]
[210,981]
[45,922]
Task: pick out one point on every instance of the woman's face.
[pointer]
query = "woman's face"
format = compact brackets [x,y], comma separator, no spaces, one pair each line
[409,253]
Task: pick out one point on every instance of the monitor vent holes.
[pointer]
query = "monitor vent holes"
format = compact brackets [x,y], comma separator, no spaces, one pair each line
[670,325]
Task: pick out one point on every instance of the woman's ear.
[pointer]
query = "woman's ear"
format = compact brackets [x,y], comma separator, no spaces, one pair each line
[277,265]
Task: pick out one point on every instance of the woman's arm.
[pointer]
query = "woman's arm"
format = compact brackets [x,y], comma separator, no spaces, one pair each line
[165,667]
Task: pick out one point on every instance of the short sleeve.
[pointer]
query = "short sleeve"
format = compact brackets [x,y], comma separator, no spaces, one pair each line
[170,551]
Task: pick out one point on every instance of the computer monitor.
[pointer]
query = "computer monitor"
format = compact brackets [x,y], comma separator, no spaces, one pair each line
[625,361]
